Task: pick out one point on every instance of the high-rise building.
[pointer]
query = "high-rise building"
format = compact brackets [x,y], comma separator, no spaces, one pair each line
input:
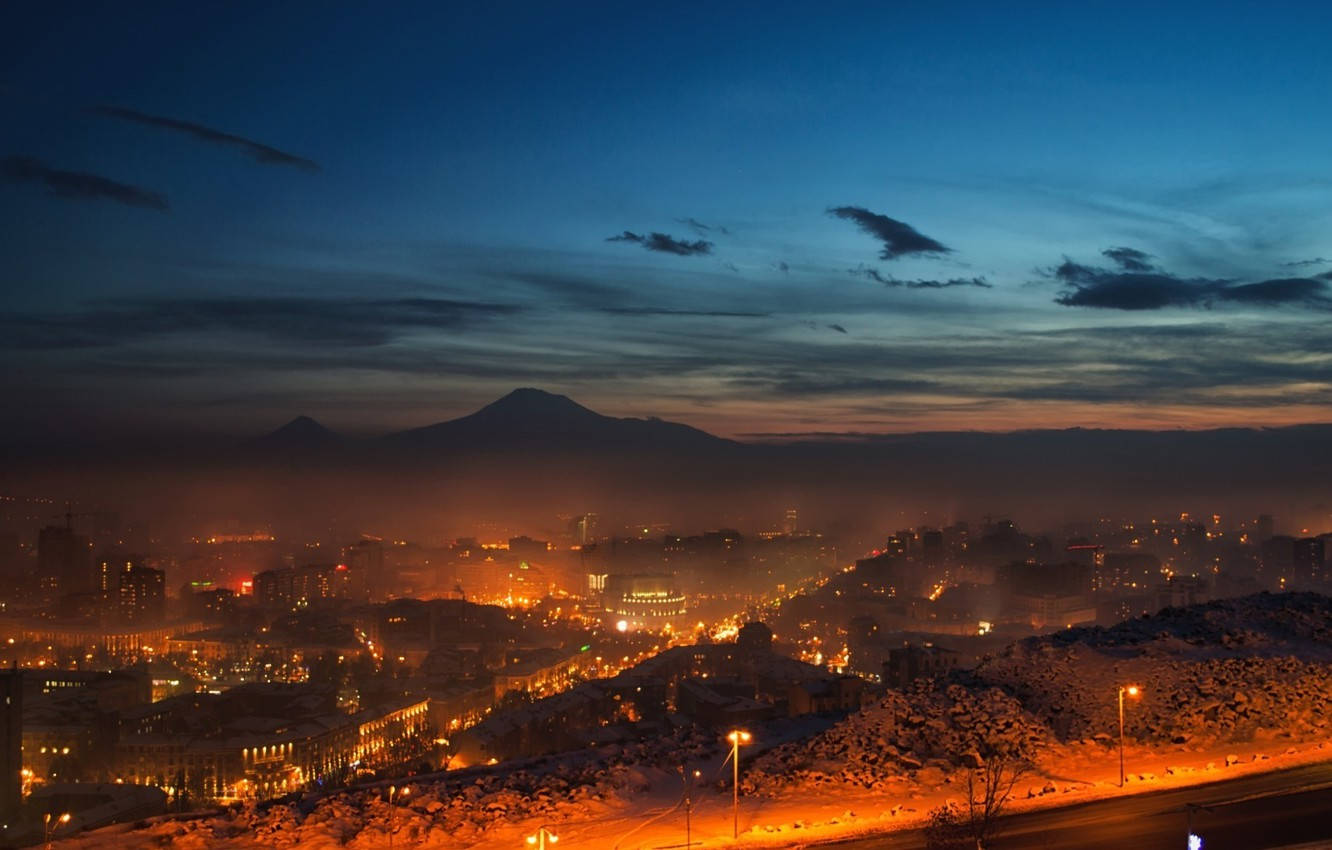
[1308,557]
[11,748]
[791,522]
[142,595]
[365,558]
[298,587]
[64,563]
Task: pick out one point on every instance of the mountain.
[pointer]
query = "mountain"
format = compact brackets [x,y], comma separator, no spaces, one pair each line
[532,419]
[301,434]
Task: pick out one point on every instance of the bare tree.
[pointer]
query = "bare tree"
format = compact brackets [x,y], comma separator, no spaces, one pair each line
[989,788]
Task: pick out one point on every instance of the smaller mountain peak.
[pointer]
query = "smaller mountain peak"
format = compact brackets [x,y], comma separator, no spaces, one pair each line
[302,429]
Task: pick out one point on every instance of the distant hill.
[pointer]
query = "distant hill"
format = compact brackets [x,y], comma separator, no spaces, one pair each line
[301,434]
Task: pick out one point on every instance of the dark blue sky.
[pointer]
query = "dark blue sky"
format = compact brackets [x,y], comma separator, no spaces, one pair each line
[871,217]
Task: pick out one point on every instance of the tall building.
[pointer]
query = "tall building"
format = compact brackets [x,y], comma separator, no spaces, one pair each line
[11,747]
[298,587]
[366,559]
[64,563]
[791,522]
[142,595]
[584,528]
[1308,557]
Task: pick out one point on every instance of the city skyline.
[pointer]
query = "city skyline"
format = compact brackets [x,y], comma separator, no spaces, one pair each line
[749,223]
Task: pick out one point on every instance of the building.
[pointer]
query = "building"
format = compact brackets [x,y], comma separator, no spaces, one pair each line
[11,746]
[366,557]
[141,596]
[116,642]
[908,663]
[64,563]
[300,587]
[1307,560]
[261,740]
[538,672]
[823,696]
[648,600]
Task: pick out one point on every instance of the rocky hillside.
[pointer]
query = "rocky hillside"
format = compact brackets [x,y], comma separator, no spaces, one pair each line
[1257,668]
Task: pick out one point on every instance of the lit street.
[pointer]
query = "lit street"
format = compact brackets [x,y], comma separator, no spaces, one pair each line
[1269,810]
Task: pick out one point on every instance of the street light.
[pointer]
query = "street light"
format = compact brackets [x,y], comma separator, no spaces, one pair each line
[1133,691]
[49,828]
[395,791]
[687,777]
[736,737]
[542,836]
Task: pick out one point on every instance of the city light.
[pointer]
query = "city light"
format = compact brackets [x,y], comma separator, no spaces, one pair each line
[736,737]
[1132,691]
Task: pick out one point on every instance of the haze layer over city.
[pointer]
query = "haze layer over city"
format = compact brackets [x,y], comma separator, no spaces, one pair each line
[755,425]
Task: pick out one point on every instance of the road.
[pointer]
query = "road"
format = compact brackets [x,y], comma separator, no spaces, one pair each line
[1269,810]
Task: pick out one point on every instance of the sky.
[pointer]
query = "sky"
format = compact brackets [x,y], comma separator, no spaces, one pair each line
[759,219]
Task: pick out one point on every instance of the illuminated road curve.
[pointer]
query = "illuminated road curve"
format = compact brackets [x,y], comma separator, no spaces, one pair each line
[1265,811]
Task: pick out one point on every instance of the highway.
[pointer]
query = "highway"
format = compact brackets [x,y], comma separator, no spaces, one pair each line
[1265,811]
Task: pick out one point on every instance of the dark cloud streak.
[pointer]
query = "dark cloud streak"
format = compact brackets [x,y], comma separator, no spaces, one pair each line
[257,151]
[1129,259]
[899,238]
[304,321]
[77,185]
[1087,286]
[892,282]
[664,243]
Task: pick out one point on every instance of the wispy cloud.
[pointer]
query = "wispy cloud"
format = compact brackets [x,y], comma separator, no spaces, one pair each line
[78,185]
[890,281]
[702,229]
[1129,259]
[899,238]
[664,243]
[666,311]
[344,322]
[257,151]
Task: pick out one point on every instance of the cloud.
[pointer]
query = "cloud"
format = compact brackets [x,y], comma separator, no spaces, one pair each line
[78,186]
[890,281]
[1129,259]
[1087,286]
[899,238]
[337,322]
[664,243]
[257,151]
[1299,264]
[838,328]
[782,266]
[700,228]
[666,311]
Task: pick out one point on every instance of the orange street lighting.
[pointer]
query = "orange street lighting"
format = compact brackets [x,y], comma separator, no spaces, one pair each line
[736,737]
[688,778]
[50,828]
[541,838]
[1133,691]
[394,791]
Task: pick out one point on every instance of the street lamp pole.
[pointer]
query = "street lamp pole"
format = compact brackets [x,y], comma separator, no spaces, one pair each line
[736,738]
[542,836]
[394,791]
[687,779]
[49,828]
[1133,691]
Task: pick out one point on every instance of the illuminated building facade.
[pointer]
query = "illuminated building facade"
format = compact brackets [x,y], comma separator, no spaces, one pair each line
[643,600]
